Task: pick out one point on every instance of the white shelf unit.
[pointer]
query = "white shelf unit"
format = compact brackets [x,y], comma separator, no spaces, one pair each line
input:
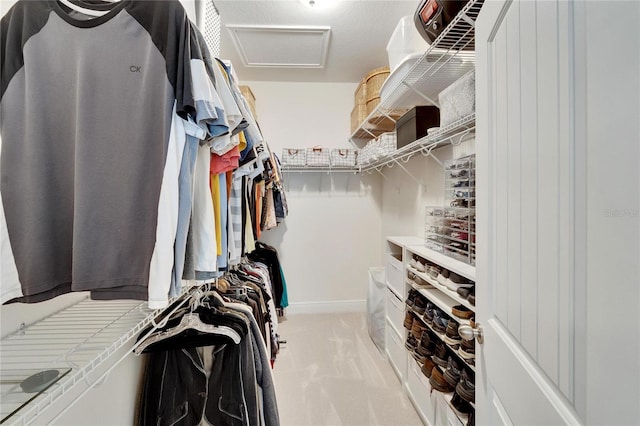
[316,169]
[432,410]
[86,337]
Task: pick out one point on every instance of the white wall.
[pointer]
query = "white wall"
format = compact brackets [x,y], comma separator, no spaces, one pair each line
[332,234]
[405,200]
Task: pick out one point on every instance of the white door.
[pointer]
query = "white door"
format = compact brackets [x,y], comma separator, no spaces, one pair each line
[558,107]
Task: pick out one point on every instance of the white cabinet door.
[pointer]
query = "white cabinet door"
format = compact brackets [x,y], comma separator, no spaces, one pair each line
[558,212]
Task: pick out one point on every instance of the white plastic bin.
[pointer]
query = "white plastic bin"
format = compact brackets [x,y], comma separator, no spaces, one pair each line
[404,41]
[376,307]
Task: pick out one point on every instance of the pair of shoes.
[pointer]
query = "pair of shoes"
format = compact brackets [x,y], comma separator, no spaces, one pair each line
[462,312]
[417,330]
[409,318]
[460,405]
[468,293]
[427,367]
[441,354]
[440,322]
[451,335]
[411,343]
[428,313]
[467,350]
[438,382]
[443,276]
[452,372]
[455,281]
[412,261]
[427,346]
[411,297]
[420,304]
[466,387]
[420,264]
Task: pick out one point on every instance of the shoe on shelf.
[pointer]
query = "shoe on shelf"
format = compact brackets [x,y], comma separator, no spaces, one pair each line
[460,405]
[467,350]
[438,381]
[417,329]
[411,343]
[455,281]
[442,276]
[408,320]
[411,297]
[464,292]
[427,367]
[451,335]
[420,265]
[439,321]
[466,387]
[412,261]
[462,312]
[427,346]
[441,355]
[420,304]
[452,373]
[472,296]
[428,313]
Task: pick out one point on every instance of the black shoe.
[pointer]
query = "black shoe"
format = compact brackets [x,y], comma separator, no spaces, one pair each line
[411,343]
[467,350]
[460,405]
[420,305]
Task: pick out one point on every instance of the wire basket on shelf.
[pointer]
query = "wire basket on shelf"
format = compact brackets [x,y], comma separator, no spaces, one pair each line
[294,157]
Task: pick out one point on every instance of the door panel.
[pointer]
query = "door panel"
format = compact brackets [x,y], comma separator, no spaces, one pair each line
[558,210]
[525,216]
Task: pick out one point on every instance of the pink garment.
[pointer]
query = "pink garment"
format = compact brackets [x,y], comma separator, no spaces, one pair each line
[225,163]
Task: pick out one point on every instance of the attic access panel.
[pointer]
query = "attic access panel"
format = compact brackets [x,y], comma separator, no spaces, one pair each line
[281,46]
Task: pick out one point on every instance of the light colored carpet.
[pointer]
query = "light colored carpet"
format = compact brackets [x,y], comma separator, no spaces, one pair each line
[331,373]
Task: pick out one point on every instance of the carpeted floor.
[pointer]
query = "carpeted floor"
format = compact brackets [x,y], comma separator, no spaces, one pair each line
[330,373]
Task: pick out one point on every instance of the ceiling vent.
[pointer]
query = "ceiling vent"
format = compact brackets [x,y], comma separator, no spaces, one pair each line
[281,46]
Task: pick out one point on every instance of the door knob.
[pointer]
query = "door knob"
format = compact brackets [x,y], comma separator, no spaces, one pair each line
[469,333]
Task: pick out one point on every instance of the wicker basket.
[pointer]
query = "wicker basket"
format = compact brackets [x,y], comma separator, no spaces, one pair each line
[374,80]
[360,95]
[358,115]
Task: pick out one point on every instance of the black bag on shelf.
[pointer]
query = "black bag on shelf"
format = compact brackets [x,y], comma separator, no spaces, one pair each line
[433,16]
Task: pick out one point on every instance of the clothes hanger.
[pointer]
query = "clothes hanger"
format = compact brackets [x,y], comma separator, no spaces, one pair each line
[84,10]
[189,321]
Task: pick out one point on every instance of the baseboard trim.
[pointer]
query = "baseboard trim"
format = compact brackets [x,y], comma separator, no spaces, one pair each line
[328,307]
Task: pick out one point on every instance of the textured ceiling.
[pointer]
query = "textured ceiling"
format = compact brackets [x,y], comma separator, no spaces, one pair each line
[360,31]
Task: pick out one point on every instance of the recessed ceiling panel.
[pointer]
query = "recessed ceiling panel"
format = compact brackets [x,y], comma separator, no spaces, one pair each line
[281,47]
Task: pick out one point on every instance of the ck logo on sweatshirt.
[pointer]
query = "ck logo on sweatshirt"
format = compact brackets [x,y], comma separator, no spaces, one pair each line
[135,68]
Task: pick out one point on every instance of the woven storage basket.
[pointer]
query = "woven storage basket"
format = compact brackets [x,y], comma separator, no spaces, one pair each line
[358,115]
[360,95]
[251,99]
[374,80]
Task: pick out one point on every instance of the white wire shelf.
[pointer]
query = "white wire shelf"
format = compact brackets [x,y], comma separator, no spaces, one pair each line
[448,58]
[452,134]
[76,341]
[316,169]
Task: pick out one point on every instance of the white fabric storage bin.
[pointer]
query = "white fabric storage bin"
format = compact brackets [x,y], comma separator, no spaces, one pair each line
[318,156]
[376,308]
[387,143]
[458,100]
[294,157]
[343,157]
